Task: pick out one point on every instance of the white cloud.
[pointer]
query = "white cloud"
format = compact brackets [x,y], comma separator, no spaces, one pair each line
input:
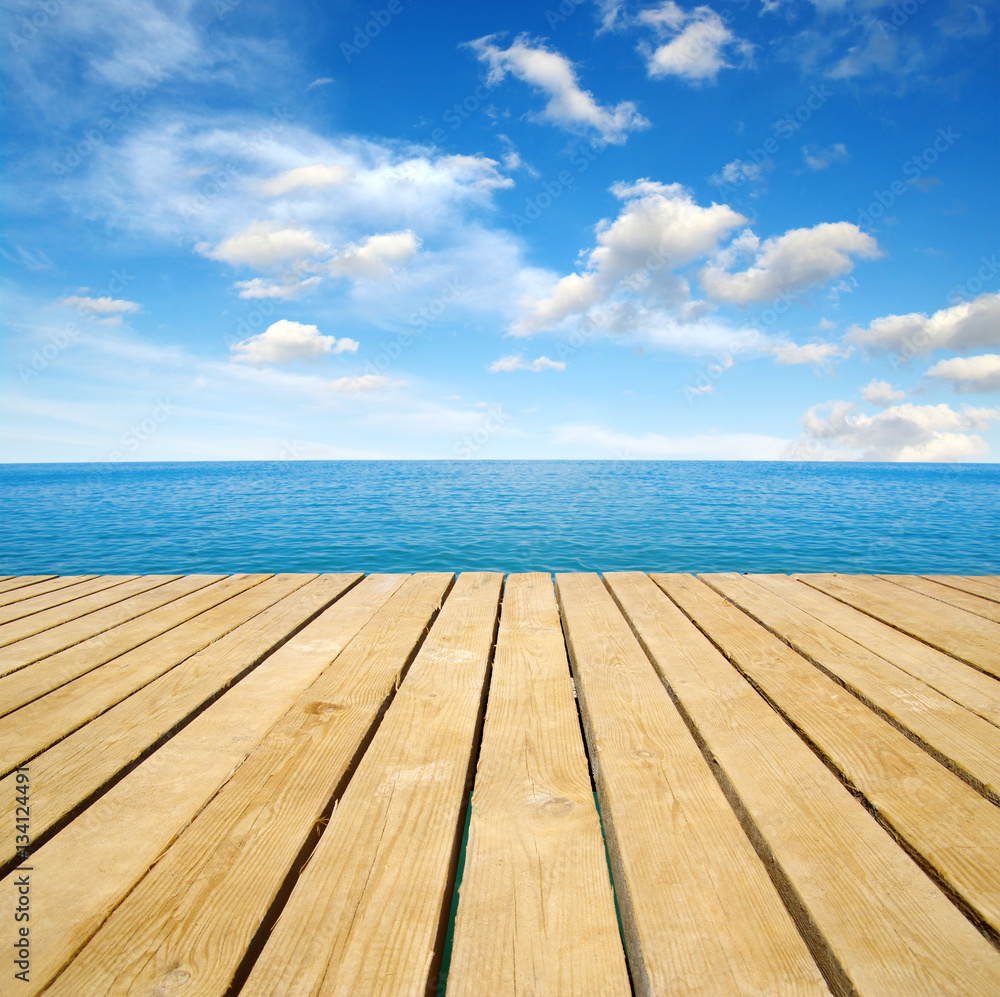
[374,257]
[968,325]
[260,288]
[285,342]
[798,259]
[321,82]
[819,159]
[568,106]
[715,446]
[881,393]
[629,274]
[363,382]
[969,374]
[737,173]
[111,308]
[698,45]
[516,361]
[820,354]
[840,431]
[316,175]
[262,244]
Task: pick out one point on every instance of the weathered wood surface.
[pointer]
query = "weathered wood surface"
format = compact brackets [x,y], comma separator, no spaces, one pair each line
[252,785]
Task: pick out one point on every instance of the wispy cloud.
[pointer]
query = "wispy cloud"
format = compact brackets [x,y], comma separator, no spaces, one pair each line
[569,105]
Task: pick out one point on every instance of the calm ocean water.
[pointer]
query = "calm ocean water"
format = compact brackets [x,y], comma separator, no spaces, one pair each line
[499,516]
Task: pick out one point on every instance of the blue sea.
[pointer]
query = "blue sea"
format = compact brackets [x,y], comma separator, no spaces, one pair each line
[370,516]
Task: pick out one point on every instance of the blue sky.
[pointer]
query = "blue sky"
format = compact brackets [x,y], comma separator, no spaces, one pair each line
[403,229]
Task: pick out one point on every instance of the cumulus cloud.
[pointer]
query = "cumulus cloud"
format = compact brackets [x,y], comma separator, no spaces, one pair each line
[801,258]
[363,382]
[516,361]
[820,354]
[374,257]
[819,159]
[969,374]
[569,106]
[840,431]
[881,393]
[968,325]
[262,244]
[698,47]
[312,176]
[715,446]
[286,342]
[104,309]
[630,271]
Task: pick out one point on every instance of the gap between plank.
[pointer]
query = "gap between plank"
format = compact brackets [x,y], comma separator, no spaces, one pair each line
[939,756]
[305,853]
[986,930]
[823,955]
[113,780]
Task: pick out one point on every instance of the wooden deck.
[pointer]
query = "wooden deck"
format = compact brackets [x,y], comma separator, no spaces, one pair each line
[714,785]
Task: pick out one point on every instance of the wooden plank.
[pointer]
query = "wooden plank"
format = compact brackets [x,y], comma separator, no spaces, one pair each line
[82,874]
[28,684]
[957,738]
[955,679]
[38,585]
[954,631]
[173,678]
[874,920]
[699,912]
[245,841]
[116,588]
[60,597]
[149,592]
[987,586]
[13,582]
[536,880]
[953,597]
[367,911]
[945,822]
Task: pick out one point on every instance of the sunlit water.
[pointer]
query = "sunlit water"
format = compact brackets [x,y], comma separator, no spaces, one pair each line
[500,516]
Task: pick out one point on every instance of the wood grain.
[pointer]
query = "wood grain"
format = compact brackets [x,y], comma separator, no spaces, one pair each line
[196,912]
[536,879]
[700,914]
[85,871]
